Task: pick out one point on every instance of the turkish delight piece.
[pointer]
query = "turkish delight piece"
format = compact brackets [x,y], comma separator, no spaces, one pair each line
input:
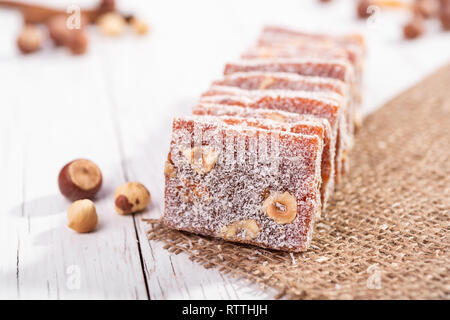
[325,105]
[258,80]
[296,49]
[325,68]
[284,42]
[353,44]
[243,184]
[337,69]
[283,121]
[288,81]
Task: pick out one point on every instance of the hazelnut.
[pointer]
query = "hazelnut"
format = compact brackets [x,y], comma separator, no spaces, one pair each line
[445,15]
[139,26]
[169,170]
[131,197]
[414,28]
[202,159]
[74,39]
[267,82]
[78,42]
[275,117]
[282,208]
[427,8]
[249,228]
[30,39]
[107,6]
[111,24]
[82,216]
[362,8]
[80,179]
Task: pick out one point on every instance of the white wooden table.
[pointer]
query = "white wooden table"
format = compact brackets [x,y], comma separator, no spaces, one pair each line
[114,106]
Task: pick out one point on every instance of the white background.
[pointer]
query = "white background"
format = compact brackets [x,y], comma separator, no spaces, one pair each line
[114,105]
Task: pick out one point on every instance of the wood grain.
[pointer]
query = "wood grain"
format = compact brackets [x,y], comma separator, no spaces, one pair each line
[114,106]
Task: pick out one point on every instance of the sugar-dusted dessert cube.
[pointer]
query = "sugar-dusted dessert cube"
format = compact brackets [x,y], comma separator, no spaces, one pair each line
[283,121]
[258,80]
[353,44]
[284,42]
[296,49]
[243,184]
[328,68]
[324,105]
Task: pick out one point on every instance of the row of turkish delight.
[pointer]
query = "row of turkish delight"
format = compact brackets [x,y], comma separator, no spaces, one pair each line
[268,144]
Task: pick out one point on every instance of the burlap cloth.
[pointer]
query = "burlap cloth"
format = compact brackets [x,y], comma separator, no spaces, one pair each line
[386,234]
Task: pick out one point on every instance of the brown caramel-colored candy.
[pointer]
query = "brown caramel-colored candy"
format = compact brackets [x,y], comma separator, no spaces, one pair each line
[310,103]
[283,121]
[234,193]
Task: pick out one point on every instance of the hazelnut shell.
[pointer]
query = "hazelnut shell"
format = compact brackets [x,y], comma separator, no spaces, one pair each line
[80,179]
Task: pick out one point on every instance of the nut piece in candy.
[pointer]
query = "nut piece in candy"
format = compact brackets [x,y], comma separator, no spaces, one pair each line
[111,24]
[275,117]
[267,82]
[202,159]
[80,179]
[281,207]
[131,197]
[249,229]
[30,39]
[139,26]
[169,170]
[82,216]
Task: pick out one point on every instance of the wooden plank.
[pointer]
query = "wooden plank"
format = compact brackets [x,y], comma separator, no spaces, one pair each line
[62,112]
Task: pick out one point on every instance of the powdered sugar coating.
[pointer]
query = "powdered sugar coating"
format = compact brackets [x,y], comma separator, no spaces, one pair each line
[284,121]
[258,80]
[319,104]
[234,191]
[354,44]
[280,83]
[306,66]
[289,41]
[295,49]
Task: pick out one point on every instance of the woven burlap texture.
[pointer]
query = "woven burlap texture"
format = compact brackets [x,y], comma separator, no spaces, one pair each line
[386,233]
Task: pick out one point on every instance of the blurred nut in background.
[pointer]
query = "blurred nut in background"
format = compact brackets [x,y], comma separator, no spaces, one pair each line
[78,41]
[111,24]
[427,8]
[74,39]
[30,39]
[139,26]
[414,28]
[82,216]
[131,197]
[445,14]
[80,179]
[362,8]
